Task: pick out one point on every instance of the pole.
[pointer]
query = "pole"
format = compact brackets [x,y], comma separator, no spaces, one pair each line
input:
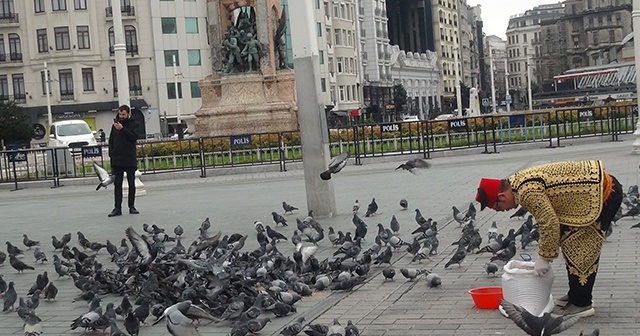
[635,15]
[314,134]
[529,95]
[493,83]
[455,65]
[120,52]
[47,92]
[175,84]
[506,86]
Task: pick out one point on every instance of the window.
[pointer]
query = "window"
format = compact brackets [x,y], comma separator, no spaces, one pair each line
[317,4]
[38,5]
[194,57]
[524,37]
[168,57]
[171,90]
[195,90]
[130,39]
[79,4]
[62,38]
[83,37]
[323,84]
[65,76]
[4,88]
[340,60]
[321,56]
[59,5]
[341,92]
[331,65]
[15,48]
[43,44]
[43,80]
[168,25]
[135,84]
[612,36]
[19,93]
[332,91]
[319,29]
[87,80]
[595,38]
[191,25]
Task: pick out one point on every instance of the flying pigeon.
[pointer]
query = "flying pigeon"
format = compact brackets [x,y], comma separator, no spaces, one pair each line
[533,325]
[335,166]
[105,178]
[414,164]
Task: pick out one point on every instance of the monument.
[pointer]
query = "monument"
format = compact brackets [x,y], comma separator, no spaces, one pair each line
[251,89]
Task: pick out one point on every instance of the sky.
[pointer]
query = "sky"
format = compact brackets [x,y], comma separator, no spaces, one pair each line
[496,13]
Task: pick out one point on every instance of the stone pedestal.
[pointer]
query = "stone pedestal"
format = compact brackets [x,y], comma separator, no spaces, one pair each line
[140,190]
[247,103]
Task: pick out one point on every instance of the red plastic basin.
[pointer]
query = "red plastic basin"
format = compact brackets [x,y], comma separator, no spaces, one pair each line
[486,297]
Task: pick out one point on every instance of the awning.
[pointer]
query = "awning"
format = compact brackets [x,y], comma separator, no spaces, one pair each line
[35,111]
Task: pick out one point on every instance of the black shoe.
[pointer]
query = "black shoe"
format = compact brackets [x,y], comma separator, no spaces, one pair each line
[133,211]
[115,212]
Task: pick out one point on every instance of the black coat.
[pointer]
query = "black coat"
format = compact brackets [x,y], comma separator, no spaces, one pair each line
[122,144]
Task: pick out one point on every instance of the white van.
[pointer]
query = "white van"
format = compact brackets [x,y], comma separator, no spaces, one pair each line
[71,133]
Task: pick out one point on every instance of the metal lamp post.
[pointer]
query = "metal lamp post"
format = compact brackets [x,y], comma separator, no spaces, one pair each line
[636,38]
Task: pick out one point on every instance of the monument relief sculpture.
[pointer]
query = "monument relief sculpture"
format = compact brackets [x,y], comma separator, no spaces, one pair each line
[251,89]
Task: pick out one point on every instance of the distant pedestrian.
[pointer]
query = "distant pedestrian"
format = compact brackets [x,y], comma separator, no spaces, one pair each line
[122,151]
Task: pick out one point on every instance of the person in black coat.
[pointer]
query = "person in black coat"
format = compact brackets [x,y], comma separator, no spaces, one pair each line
[122,151]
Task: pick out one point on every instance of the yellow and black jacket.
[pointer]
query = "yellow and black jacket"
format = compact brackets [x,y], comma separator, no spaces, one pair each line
[562,193]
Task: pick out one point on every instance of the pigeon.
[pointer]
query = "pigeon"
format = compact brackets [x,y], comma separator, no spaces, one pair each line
[294,328]
[3,285]
[257,324]
[57,244]
[351,330]
[471,212]
[491,268]
[433,280]
[335,166]
[395,225]
[103,176]
[633,212]
[50,292]
[181,316]
[356,207]
[278,219]
[506,254]
[114,330]
[520,212]
[595,332]
[411,273]
[288,208]
[28,242]
[132,324]
[178,230]
[458,216]
[317,330]
[39,255]
[335,329]
[388,273]
[458,257]
[18,265]
[414,164]
[10,297]
[404,204]
[545,325]
[32,326]
[371,208]
[14,250]
[273,234]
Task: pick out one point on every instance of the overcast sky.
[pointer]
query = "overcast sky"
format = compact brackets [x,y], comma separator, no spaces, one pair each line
[496,13]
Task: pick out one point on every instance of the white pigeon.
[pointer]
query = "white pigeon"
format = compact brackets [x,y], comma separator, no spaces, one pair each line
[105,178]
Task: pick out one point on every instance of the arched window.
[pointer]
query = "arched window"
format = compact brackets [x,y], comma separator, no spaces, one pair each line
[130,40]
[15,48]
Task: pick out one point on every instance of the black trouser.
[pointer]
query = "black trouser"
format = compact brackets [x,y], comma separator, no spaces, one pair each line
[580,292]
[119,171]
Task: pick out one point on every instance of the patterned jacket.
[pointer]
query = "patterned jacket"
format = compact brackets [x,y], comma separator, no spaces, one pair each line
[567,193]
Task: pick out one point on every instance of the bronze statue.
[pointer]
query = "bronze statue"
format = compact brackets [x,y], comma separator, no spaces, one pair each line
[251,51]
[280,45]
[232,51]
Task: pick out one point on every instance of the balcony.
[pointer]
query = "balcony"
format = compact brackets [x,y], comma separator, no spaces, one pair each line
[330,49]
[20,98]
[387,56]
[135,91]
[380,55]
[379,33]
[131,49]
[67,95]
[15,57]
[4,98]
[127,11]
[9,18]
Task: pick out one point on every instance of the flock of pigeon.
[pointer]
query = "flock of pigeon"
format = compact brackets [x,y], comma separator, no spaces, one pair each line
[215,281]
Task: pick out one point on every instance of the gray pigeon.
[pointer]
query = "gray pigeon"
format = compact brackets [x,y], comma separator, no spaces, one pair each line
[103,176]
[433,280]
[3,285]
[411,273]
[335,166]
[395,225]
[351,329]
[180,318]
[491,268]
[372,208]
[545,325]
[32,326]
[335,329]
[414,164]
[10,297]
[293,328]
[39,255]
[388,273]
[458,257]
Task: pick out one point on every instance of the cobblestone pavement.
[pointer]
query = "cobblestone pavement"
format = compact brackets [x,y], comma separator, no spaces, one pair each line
[234,202]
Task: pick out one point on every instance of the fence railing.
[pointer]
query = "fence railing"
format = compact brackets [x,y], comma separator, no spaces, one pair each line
[420,138]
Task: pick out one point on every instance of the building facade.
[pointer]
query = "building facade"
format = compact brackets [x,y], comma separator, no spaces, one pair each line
[496,51]
[75,39]
[524,34]
[419,74]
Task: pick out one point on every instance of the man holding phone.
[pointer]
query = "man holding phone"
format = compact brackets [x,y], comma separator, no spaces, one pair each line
[122,151]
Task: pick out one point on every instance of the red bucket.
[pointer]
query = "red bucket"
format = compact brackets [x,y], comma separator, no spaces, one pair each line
[486,297]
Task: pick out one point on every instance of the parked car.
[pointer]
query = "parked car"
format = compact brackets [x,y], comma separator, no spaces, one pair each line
[71,133]
[410,118]
[444,117]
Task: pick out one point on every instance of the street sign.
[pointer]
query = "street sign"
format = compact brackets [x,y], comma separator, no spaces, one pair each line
[485,102]
[17,156]
[240,140]
[91,151]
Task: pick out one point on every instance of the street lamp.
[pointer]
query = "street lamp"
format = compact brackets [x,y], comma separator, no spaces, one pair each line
[636,37]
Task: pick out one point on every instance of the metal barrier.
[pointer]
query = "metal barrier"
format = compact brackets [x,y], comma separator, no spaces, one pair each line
[363,141]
